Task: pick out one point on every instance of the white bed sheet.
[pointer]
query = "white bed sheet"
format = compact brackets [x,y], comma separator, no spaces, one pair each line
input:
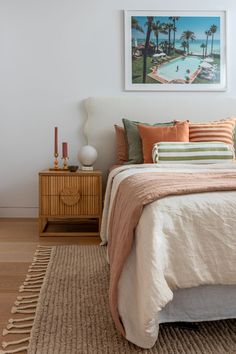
[201,303]
[181,242]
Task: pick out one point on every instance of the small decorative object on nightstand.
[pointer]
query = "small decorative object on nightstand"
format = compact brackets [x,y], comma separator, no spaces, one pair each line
[70,203]
[65,155]
[87,157]
[56,149]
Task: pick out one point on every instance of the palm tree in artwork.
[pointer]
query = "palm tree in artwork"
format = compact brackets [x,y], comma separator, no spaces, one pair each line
[135,25]
[173,45]
[203,46]
[158,28]
[184,45]
[148,34]
[187,36]
[174,19]
[213,30]
[207,33]
[169,27]
[164,46]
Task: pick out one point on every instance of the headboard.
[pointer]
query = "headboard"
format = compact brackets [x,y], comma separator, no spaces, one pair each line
[104,112]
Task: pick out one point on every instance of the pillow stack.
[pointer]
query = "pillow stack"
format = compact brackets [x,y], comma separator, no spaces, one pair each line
[142,143]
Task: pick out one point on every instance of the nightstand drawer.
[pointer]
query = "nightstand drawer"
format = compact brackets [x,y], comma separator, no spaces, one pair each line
[84,185]
[70,206]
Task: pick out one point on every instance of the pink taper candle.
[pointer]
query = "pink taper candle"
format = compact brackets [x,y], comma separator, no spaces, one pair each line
[64,150]
[55,141]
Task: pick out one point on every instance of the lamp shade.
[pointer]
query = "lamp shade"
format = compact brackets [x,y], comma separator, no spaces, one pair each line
[87,155]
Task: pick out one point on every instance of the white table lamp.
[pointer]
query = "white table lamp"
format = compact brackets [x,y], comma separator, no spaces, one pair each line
[87,157]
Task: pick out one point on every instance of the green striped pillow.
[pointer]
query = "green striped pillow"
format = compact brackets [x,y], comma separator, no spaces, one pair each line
[193,153]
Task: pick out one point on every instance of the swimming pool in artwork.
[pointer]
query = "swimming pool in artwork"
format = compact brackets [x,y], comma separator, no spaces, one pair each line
[179,68]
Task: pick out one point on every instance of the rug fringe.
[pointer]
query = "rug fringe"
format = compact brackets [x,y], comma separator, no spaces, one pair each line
[42,255]
[18,350]
[7,344]
[15,320]
[35,270]
[15,308]
[23,311]
[30,287]
[42,246]
[38,267]
[27,282]
[42,263]
[15,331]
[28,290]
[30,278]
[11,325]
[33,276]
[27,304]
[27,297]
[17,302]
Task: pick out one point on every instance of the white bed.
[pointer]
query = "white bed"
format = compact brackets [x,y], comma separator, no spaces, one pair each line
[206,302]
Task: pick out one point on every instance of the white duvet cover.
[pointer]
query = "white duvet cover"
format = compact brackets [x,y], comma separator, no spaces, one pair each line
[180,242]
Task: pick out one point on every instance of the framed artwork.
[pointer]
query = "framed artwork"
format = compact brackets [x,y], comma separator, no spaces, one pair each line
[175,50]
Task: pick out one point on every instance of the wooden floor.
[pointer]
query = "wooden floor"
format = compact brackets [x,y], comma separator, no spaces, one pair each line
[18,241]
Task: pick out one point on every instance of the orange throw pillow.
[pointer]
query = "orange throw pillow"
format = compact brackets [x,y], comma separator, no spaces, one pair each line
[151,135]
[121,145]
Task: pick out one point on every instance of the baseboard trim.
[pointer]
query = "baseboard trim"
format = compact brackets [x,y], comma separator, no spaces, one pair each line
[18,212]
[18,219]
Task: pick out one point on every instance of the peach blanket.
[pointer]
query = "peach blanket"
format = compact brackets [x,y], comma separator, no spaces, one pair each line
[133,194]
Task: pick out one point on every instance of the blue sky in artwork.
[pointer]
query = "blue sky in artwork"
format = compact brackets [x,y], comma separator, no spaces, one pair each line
[196,24]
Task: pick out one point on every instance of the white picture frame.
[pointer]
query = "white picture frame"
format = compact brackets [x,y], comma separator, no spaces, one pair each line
[180,54]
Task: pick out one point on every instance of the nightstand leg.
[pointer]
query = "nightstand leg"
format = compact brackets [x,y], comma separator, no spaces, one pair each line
[42,224]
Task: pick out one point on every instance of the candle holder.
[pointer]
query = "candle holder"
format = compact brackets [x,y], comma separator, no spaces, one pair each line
[55,163]
[55,166]
[65,163]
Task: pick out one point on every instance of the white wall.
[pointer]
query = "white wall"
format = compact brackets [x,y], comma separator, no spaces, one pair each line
[53,54]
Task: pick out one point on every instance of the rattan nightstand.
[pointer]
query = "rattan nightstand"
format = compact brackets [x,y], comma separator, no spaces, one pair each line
[70,203]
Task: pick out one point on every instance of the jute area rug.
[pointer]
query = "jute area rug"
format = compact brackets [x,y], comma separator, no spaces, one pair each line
[72,314]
